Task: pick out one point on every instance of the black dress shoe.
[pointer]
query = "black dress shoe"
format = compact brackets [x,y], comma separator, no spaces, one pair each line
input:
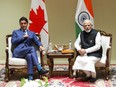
[85,79]
[92,80]
[78,75]
[43,71]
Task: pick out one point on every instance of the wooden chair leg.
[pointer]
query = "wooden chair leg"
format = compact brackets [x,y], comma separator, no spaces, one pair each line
[108,73]
[7,75]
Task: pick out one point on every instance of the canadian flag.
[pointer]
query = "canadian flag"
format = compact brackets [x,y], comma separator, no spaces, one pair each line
[38,20]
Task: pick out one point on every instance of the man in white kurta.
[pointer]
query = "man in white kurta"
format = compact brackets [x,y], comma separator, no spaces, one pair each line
[88,44]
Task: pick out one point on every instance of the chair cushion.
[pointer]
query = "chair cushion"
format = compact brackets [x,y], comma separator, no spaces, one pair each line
[19,61]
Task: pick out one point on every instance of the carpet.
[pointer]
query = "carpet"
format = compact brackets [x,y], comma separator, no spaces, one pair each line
[68,82]
[59,80]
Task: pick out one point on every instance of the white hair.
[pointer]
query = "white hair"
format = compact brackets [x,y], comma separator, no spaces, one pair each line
[87,21]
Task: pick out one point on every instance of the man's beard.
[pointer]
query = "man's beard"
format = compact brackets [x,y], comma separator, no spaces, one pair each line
[88,30]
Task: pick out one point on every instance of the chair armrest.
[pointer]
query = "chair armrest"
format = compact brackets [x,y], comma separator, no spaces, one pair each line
[76,53]
[108,56]
[109,47]
[7,57]
[6,50]
[41,56]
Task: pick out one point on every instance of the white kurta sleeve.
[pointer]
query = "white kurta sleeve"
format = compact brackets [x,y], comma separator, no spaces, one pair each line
[77,43]
[97,44]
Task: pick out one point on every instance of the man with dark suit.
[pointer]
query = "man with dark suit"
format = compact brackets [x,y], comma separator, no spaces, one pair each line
[22,39]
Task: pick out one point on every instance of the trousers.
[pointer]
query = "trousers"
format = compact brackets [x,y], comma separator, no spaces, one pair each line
[28,53]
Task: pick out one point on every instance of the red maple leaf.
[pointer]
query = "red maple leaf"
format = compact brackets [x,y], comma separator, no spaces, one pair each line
[38,20]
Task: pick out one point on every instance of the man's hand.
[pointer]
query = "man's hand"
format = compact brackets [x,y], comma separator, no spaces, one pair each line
[41,48]
[25,36]
[82,52]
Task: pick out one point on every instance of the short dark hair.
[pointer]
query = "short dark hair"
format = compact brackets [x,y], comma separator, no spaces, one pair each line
[23,18]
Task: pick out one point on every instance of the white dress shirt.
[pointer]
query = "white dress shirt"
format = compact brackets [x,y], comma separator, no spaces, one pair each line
[91,49]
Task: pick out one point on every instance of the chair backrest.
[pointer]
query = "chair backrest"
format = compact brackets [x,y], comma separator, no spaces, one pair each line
[9,46]
[106,41]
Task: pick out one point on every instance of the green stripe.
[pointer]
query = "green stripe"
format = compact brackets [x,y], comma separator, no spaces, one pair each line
[78,30]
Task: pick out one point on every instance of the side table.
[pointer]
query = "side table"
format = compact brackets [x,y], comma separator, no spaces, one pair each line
[52,55]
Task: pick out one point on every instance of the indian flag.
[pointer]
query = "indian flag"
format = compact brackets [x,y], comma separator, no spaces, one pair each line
[84,11]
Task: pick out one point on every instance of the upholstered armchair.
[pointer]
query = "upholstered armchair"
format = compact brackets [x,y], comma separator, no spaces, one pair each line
[104,63]
[13,64]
